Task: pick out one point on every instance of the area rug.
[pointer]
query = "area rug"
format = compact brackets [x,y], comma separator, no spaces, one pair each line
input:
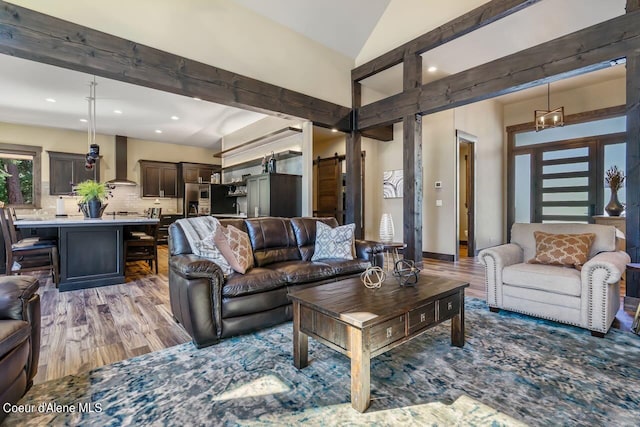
[513,370]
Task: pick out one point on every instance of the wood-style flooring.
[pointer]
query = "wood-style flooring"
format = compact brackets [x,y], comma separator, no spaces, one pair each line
[88,328]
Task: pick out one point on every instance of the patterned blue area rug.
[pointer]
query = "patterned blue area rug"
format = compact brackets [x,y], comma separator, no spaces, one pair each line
[513,370]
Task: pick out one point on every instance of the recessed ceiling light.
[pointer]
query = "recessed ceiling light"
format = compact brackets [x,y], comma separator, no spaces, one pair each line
[175,118]
[117,111]
[432,69]
[83,120]
[197,99]
[50,100]
[158,131]
[334,130]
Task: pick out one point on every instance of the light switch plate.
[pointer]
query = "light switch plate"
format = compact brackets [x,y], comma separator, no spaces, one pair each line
[438,202]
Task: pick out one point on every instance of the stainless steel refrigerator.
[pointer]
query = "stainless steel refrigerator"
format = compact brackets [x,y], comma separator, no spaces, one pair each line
[196,200]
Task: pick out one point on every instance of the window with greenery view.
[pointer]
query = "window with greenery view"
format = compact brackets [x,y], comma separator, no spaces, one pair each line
[20,175]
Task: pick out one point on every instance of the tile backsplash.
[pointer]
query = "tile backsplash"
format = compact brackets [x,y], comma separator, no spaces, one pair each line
[124,198]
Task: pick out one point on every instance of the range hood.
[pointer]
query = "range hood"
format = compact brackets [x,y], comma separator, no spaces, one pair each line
[121,163]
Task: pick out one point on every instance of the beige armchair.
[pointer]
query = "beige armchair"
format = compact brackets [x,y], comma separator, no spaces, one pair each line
[589,298]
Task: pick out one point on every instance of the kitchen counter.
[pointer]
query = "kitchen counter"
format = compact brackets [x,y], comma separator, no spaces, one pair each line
[79,221]
[230,215]
[91,250]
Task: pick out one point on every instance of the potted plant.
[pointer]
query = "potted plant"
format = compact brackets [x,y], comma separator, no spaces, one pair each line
[92,194]
[614,178]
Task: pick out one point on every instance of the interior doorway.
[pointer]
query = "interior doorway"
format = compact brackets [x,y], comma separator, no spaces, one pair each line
[465,236]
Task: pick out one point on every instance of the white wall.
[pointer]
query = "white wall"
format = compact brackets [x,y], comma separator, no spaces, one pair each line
[220,33]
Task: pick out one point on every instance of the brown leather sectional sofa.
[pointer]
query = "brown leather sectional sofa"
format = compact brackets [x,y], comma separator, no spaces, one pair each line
[211,307]
[19,337]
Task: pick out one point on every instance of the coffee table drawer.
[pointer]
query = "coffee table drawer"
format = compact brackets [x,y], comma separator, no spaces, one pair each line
[422,317]
[448,307]
[387,332]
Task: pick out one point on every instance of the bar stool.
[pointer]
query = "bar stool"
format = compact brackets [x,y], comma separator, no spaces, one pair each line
[143,245]
[28,254]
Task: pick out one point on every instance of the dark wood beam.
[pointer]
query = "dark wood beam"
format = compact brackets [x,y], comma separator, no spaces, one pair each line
[582,51]
[354,168]
[470,21]
[632,208]
[382,133]
[412,160]
[32,35]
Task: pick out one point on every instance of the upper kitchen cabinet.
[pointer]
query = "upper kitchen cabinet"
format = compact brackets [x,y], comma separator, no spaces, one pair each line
[67,170]
[197,172]
[158,179]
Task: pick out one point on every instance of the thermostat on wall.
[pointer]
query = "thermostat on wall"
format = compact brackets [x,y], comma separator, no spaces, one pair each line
[438,184]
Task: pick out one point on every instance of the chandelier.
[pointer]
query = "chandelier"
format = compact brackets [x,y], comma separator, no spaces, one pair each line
[549,118]
[94,149]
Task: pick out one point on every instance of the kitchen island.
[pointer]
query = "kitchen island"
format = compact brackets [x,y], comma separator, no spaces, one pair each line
[91,250]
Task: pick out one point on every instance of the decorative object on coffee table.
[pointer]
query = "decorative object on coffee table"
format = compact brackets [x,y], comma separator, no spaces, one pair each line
[386,228]
[614,178]
[373,277]
[406,272]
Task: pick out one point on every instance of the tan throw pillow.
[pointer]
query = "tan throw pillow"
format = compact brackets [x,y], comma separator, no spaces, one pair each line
[570,250]
[235,246]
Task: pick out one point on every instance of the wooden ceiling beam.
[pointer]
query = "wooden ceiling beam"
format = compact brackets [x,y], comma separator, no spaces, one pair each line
[586,50]
[458,27]
[32,35]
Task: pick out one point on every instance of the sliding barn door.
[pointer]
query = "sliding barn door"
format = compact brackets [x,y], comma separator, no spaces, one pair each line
[329,189]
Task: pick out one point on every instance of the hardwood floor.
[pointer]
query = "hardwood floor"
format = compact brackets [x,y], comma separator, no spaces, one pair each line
[94,327]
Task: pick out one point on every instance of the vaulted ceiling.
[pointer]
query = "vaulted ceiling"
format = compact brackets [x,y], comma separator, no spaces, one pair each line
[349,27]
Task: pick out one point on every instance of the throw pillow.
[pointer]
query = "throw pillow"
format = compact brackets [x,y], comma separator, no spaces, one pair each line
[571,250]
[206,248]
[235,246]
[333,242]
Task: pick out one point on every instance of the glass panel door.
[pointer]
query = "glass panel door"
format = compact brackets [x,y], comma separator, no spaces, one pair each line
[565,186]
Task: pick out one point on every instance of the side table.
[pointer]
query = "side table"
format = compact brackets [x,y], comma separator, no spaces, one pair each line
[391,250]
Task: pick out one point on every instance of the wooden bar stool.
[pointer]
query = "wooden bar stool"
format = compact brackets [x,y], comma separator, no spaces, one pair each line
[28,254]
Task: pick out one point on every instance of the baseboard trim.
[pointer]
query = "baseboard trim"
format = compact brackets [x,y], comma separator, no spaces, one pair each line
[441,257]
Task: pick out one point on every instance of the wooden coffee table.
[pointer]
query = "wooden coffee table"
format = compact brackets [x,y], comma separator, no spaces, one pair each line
[362,323]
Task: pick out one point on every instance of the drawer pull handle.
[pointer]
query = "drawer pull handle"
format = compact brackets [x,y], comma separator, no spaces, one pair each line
[449,305]
[423,317]
[389,332]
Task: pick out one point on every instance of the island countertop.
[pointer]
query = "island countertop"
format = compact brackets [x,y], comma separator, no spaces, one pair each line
[91,251]
[78,221]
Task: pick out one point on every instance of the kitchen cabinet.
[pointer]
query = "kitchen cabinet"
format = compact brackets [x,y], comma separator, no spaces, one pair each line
[274,194]
[67,170]
[158,179]
[197,172]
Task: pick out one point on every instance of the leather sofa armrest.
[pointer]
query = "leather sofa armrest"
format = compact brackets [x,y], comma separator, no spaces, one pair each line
[16,292]
[195,291]
[614,263]
[192,266]
[366,249]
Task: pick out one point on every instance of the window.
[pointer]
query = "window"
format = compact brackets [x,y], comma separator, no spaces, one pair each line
[20,175]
